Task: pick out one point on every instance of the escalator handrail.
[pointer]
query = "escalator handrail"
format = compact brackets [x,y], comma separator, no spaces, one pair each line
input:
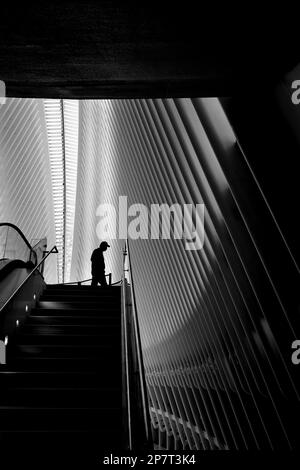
[53,250]
[8,224]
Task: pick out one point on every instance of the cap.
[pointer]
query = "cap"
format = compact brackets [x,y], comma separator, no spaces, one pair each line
[104,244]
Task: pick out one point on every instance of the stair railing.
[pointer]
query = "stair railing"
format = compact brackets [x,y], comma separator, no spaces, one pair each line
[40,249]
[135,401]
[87,280]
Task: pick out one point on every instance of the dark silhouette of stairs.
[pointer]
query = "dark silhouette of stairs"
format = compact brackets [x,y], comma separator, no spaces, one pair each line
[61,388]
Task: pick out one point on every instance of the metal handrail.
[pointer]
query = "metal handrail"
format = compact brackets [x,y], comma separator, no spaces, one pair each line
[53,250]
[126,360]
[134,367]
[87,280]
[8,224]
[139,349]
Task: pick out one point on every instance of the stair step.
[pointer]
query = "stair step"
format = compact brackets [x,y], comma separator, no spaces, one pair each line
[79,295]
[63,329]
[76,311]
[78,304]
[76,286]
[59,419]
[95,294]
[55,379]
[59,397]
[70,319]
[96,340]
[70,363]
[81,300]
[58,448]
[104,351]
[83,290]
[87,288]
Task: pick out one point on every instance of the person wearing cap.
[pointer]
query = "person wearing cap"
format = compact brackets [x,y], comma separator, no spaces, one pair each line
[98,265]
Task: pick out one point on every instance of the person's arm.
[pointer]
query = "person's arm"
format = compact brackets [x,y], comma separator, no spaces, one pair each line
[102,264]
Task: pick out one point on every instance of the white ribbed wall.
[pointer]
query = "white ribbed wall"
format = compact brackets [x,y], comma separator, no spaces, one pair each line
[207,316]
[25,186]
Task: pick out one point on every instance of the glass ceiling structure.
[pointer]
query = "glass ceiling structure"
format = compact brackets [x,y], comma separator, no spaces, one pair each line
[62,132]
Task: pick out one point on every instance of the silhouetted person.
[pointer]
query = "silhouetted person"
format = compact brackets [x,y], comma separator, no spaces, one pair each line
[98,265]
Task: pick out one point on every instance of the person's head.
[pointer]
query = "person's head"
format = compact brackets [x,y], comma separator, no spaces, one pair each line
[103,246]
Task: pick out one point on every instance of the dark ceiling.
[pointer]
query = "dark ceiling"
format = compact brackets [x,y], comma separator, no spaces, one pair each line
[137,49]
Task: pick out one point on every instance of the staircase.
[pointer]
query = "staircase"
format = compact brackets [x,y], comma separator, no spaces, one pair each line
[61,389]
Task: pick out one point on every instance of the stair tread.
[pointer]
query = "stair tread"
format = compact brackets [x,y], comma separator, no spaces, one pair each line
[68,335]
[59,388]
[66,408]
[70,316]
